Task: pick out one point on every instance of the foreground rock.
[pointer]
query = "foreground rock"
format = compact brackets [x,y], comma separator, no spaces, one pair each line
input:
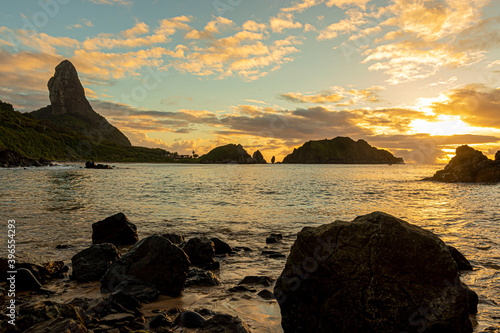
[340,150]
[116,229]
[200,251]
[41,268]
[91,264]
[153,261]
[374,274]
[469,166]
[10,158]
[224,323]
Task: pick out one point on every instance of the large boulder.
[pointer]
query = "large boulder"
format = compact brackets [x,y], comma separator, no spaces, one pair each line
[224,323]
[375,274]
[469,166]
[153,261]
[116,229]
[200,251]
[91,264]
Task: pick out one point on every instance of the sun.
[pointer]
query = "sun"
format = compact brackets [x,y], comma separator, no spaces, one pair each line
[444,125]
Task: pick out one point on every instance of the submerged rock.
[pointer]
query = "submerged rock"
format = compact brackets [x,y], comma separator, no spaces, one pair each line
[221,247]
[469,166]
[262,280]
[91,264]
[274,238]
[224,323]
[116,229]
[201,277]
[153,261]
[375,274]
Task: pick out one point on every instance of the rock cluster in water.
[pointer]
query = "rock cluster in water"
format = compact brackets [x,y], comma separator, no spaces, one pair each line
[375,274]
[9,159]
[469,166]
[232,154]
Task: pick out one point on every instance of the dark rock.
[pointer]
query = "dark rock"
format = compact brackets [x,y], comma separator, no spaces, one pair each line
[153,261]
[375,274]
[469,166]
[205,312]
[273,159]
[233,154]
[117,319]
[200,251]
[91,264]
[201,277]
[274,238]
[174,238]
[58,325]
[497,156]
[92,165]
[43,269]
[273,254]
[242,248]
[116,229]
[160,320]
[262,280]
[258,158]
[143,292]
[266,294]
[462,262]
[124,300]
[224,323]
[239,288]
[221,247]
[10,158]
[214,266]
[472,299]
[25,280]
[69,107]
[340,150]
[63,246]
[189,319]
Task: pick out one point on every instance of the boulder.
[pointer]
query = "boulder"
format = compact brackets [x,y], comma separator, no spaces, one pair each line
[266,294]
[262,280]
[174,238]
[116,229]
[25,280]
[224,323]
[221,247]
[469,166]
[91,264]
[200,251]
[377,273]
[189,319]
[153,261]
[201,277]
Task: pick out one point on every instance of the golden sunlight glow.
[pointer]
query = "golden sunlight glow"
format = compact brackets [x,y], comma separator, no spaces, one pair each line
[446,125]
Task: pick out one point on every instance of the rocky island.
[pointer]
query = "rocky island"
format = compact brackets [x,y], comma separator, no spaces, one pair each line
[469,166]
[232,154]
[340,150]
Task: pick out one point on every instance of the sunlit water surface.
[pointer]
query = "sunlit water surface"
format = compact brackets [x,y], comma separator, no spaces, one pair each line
[243,204]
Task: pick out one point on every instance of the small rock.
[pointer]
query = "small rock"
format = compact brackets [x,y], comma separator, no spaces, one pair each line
[200,251]
[221,247]
[205,312]
[25,280]
[266,294]
[160,320]
[224,323]
[63,246]
[116,229]
[125,300]
[241,289]
[262,280]
[242,248]
[462,262]
[201,277]
[189,319]
[117,319]
[274,238]
[174,238]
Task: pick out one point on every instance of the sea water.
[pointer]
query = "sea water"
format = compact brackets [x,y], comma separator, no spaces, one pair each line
[243,204]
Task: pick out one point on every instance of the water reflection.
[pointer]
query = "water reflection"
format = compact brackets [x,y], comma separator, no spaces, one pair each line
[67,191]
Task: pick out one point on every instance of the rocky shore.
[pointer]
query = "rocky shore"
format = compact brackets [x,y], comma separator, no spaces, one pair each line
[12,159]
[371,274]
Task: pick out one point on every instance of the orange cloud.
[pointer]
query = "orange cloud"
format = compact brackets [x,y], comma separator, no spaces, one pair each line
[283,22]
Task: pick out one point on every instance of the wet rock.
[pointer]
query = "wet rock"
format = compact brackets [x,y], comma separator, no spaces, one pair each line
[155,262]
[200,251]
[25,280]
[242,248]
[43,269]
[116,229]
[117,319]
[462,262]
[273,254]
[174,238]
[143,292]
[201,277]
[262,280]
[58,325]
[274,238]
[469,166]
[63,246]
[375,274]
[189,319]
[240,288]
[124,300]
[224,323]
[160,320]
[91,264]
[472,299]
[266,294]
[205,312]
[92,165]
[221,247]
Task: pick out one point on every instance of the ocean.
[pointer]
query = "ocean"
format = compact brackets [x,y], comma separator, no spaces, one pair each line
[243,204]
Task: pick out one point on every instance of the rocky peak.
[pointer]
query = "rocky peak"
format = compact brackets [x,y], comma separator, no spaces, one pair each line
[66,93]
[497,156]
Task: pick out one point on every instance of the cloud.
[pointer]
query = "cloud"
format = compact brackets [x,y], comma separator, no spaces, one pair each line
[283,22]
[251,25]
[126,3]
[355,18]
[211,29]
[83,22]
[337,94]
[301,6]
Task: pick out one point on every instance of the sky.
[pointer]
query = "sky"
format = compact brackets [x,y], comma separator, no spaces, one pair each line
[416,77]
